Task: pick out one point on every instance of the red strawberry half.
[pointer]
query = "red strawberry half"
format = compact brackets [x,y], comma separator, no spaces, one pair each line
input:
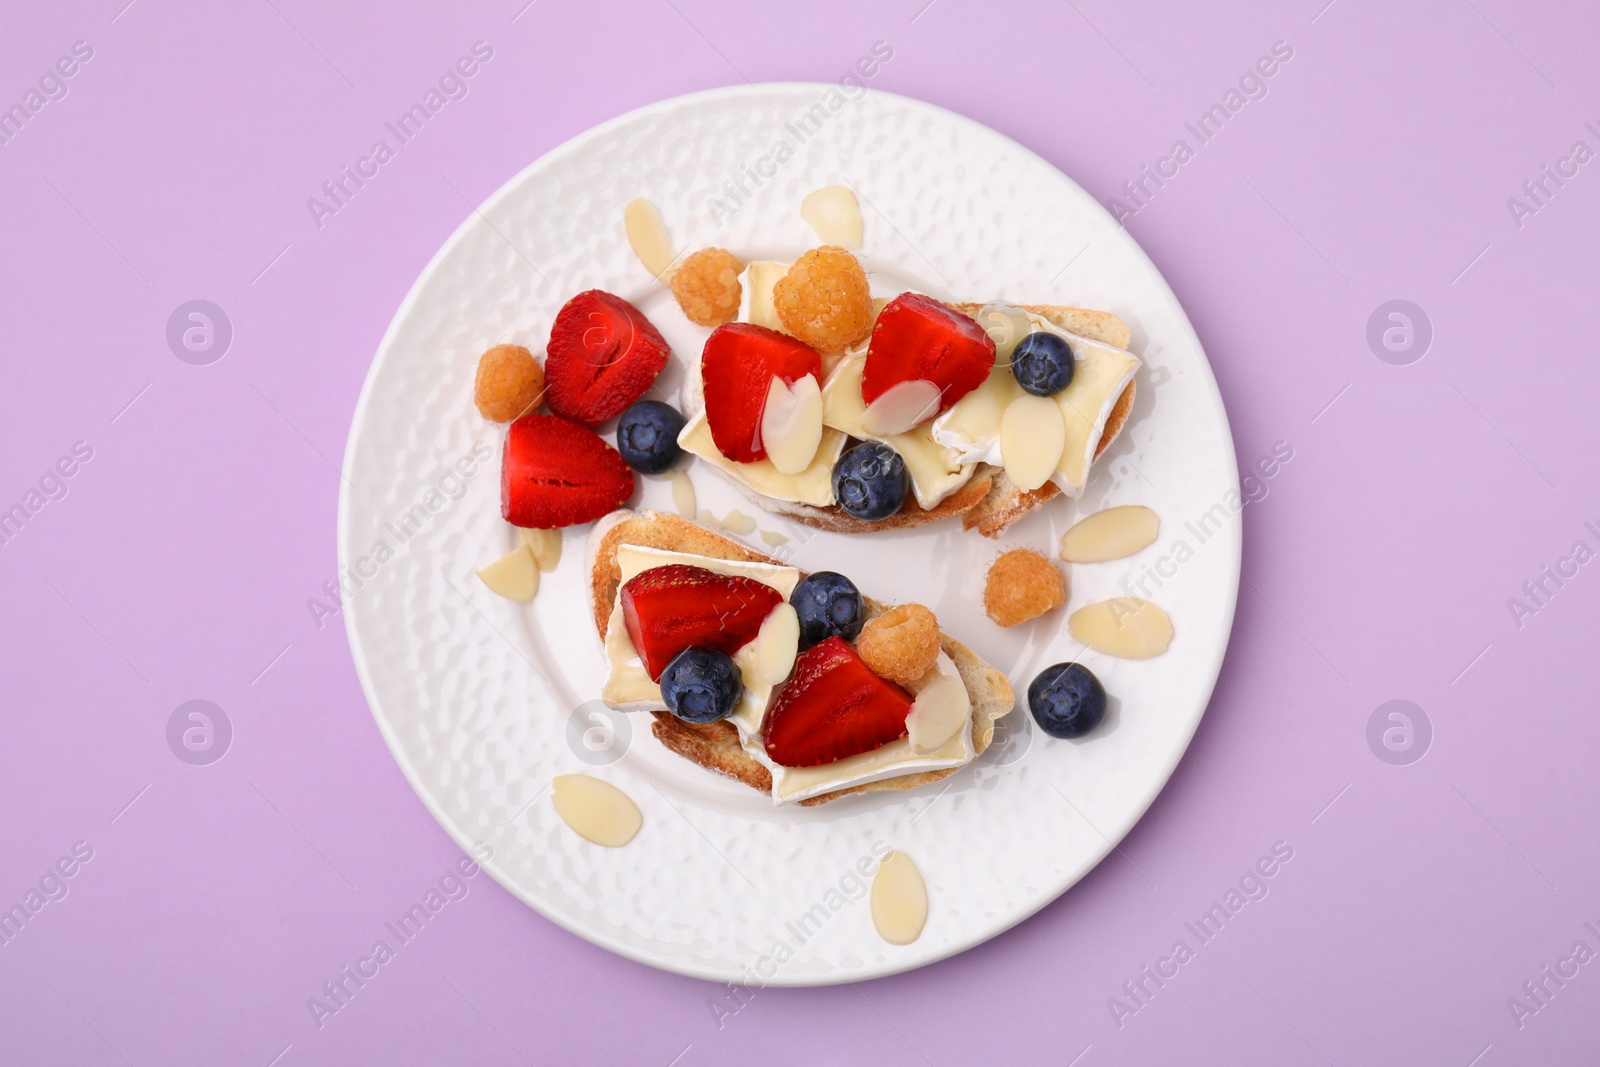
[737,367]
[668,609]
[917,337]
[603,354]
[556,473]
[833,707]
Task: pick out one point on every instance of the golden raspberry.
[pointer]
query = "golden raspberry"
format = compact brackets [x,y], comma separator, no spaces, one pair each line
[901,644]
[510,383]
[707,286]
[824,300]
[1022,585]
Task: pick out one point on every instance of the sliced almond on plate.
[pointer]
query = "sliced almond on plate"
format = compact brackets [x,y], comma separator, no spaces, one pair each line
[647,234]
[595,809]
[835,214]
[683,494]
[545,546]
[760,278]
[1110,534]
[1123,626]
[899,899]
[514,575]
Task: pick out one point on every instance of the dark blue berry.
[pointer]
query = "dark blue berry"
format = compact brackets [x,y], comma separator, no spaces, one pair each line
[701,685]
[1042,363]
[647,436]
[828,605]
[870,481]
[1067,700]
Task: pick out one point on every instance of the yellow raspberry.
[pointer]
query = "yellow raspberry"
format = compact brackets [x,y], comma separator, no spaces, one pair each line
[824,300]
[1022,585]
[510,383]
[707,286]
[901,644]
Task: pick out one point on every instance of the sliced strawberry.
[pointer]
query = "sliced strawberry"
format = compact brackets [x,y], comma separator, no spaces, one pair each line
[917,337]
[833,707]
[737,368]
[603,355]
[556,473]
[668,609]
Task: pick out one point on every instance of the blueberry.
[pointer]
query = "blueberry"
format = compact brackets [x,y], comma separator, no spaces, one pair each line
[870,481]
[1067,700]
[647,436]
[701,685]
[1042,364]
[829,605]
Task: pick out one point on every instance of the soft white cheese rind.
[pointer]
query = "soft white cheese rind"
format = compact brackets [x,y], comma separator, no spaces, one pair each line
[972,426]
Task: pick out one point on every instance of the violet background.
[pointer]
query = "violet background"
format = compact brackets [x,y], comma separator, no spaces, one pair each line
[1379,566]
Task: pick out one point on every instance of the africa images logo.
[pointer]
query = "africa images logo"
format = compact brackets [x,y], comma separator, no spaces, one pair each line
[452,886]
[1140,990]
[50,86]
[1252,85]
[453,84]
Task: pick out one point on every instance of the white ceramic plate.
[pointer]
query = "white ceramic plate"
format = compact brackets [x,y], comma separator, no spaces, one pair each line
[482,701]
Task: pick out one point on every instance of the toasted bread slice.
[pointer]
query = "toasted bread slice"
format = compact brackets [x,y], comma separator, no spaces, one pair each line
[716,747]
[988,502]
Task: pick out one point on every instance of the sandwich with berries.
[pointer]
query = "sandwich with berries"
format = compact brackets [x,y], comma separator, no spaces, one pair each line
[852,414]
[794,684]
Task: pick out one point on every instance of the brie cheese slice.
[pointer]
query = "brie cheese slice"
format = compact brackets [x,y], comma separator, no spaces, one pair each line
[971,428]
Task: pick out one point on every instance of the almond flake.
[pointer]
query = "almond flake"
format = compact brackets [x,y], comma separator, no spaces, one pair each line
[938,714]
[902,407]
[647,234]
[514,575]
[899,900]
[1110,534]
[835,214]
[737,522]
[791,423]
[545,546]
[777,644]
[1124,626]
[683,494]
[595,810]
[1032,437]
